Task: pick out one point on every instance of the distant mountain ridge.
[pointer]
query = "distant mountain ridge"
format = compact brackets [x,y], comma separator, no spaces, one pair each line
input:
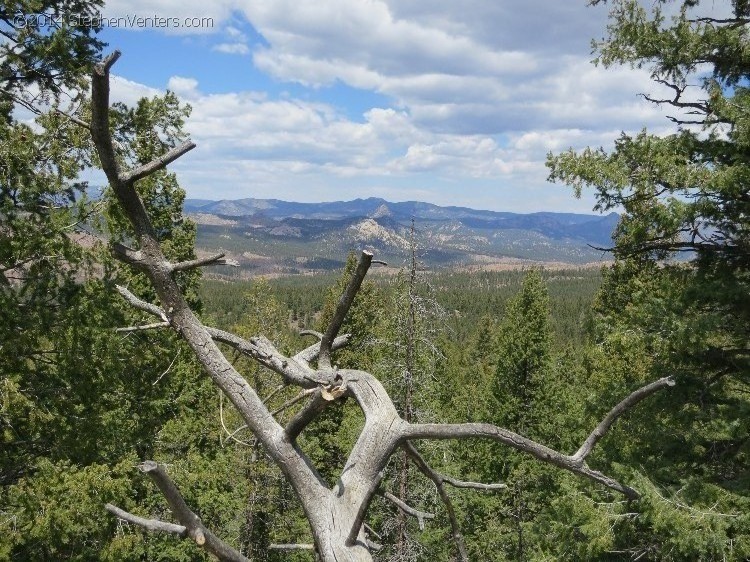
[561,224]
[284,234]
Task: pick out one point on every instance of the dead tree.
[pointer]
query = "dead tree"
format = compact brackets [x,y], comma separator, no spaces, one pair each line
[336,513]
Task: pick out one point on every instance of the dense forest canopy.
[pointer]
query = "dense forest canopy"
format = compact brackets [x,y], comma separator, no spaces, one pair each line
[92,387]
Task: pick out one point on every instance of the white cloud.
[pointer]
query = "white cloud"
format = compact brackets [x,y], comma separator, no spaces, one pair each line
[232,48]
[184,87]
[480,90]
[129,92]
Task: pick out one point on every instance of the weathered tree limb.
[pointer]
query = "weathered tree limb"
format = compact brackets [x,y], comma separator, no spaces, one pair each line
[127,255]
[573,463]
[541,452]
[311,353]
[406,508]
[295,370]
[192,523]
[313,333]
[345,302]
[264,352]
[135,302]
[473,485]
[384,429]
[302,419]
[437,479]
[290,547]
[156,164]
[295,465]
[218,259]
[153,525]
[142,327]
[292,401]
[259,348]
[605,425]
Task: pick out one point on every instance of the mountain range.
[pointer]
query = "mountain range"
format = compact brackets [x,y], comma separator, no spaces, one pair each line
[274,236]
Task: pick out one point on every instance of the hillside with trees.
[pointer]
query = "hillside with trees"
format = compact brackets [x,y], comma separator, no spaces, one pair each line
[152,413]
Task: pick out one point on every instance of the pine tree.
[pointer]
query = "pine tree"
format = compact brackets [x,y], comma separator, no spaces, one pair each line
[523,364]
[678,296]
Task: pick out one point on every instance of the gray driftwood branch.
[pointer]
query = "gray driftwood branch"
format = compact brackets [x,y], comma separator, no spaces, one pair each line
[438,480]
[218,259]
[192,523]
[409,510]
[342,308]
[153,525]
[626,404]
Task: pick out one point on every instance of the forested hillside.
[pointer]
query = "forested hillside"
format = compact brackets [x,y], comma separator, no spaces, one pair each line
[149,411]
[280,237]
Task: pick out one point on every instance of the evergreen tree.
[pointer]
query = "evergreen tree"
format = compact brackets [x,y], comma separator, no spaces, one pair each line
[75,416]
[679,294]
[409,338]
[523,365]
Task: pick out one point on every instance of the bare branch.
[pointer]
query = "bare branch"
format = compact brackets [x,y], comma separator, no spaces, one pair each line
[156,164]
[230,434]
[218,259]
[140,304]
[292,401]
[310,353]
[195,529]
[36,111]
[307,414]
[541,452]
[313,333]
[729,22]
[264,352]
[100,117]
[427,470]
[274,392]
[142,328]
[403,506]
[605,425]
[574,463]
[153,525]
[345,302]
[290,547]
[128,255]
[472,485]
[107,62]
[372,532]
[166,371]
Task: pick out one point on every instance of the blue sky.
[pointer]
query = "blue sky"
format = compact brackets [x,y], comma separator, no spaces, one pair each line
[447,102]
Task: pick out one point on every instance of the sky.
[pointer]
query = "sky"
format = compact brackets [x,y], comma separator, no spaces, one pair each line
[452,103]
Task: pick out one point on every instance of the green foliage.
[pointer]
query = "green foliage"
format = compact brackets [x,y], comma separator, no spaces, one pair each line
[146,131]
[80,404]
[523,357]
[47,514]
[684,195]
[49,44]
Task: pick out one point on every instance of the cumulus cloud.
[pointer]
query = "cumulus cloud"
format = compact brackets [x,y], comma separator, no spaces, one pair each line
[184,87]
[479,90]
[232,48]
[129,92]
